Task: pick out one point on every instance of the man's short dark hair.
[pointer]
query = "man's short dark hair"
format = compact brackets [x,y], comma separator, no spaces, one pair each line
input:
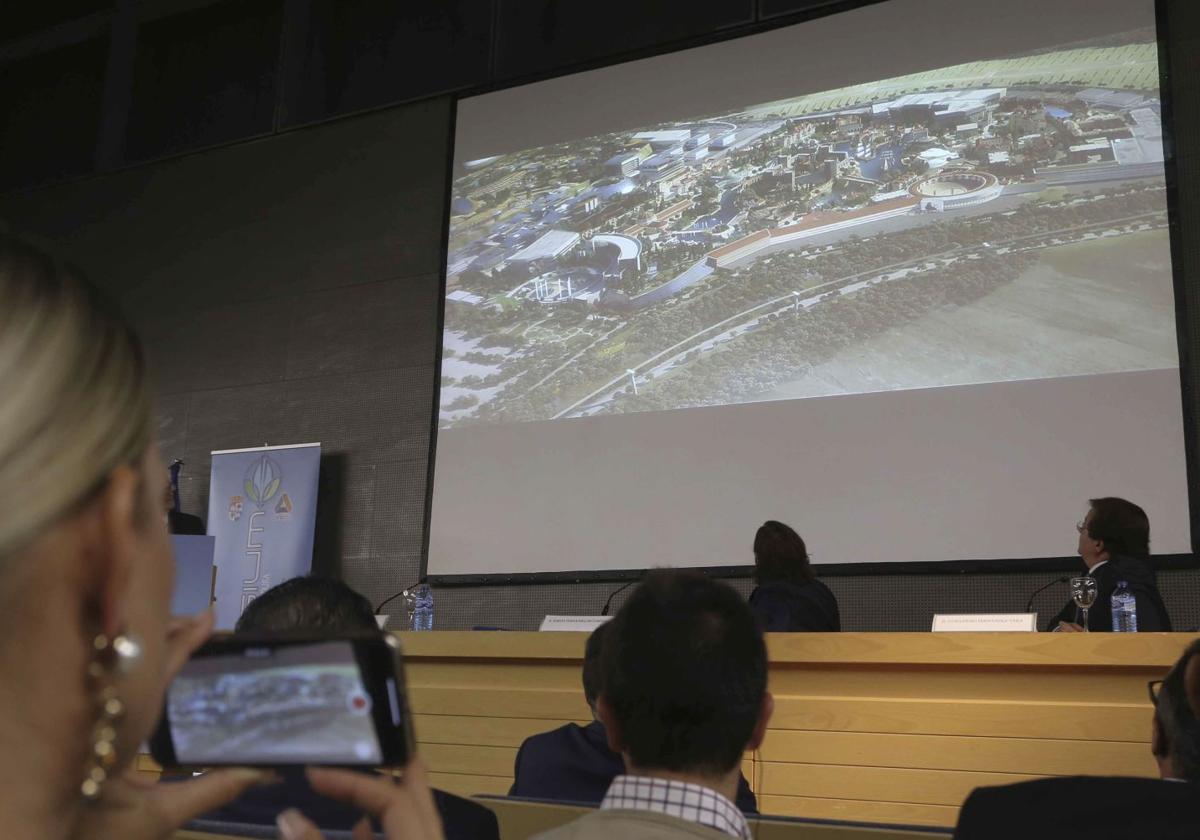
[308,604]
[1121,525]
[780,554]
[591,664]
[684,672]
[1178,719]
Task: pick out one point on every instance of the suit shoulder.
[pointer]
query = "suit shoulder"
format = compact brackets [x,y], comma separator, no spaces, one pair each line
[549,740]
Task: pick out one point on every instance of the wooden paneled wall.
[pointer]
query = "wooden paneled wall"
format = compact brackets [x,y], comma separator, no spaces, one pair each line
[894,727]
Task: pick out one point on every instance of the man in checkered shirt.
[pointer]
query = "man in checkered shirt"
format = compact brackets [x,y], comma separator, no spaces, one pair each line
[684,695]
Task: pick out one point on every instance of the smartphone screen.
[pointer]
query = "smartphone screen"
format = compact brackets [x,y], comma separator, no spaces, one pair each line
[274,705]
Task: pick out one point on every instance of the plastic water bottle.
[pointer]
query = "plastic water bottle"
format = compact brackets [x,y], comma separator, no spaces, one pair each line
[1124,610]
[423,607]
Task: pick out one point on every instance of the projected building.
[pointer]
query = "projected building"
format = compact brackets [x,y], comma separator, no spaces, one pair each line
[548,246]
[623,165]
[811,226]
[943,108]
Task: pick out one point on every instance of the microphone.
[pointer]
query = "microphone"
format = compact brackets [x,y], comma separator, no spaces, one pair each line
[1041,589]
[615,593]
[391,598]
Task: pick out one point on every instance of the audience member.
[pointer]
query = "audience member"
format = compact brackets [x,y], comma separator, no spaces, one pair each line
[86,579]
[308,604]
[574,763]
[1092,808]
[328,607]
[1114,542]
[683,695]
[788,597]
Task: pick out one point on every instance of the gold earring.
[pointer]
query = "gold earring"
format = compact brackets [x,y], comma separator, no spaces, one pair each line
[113,658]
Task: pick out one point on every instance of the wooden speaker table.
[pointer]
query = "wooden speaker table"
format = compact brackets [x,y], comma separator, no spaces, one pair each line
[880,727]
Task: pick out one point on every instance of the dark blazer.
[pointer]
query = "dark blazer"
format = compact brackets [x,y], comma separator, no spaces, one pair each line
[574,764]
[1082,808]
[461,818]
[784,607]
[1151,611]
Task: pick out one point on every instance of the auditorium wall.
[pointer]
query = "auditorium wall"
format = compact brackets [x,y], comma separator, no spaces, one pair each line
[287,289]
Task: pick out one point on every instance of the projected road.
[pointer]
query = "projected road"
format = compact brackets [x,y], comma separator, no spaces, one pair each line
[998,220]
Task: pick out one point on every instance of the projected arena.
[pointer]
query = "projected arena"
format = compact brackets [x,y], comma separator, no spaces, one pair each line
[954,190]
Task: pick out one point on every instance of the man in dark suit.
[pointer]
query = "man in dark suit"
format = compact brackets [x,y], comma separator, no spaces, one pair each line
[1103,808]
[324,606]
[574,763]
[1114,542]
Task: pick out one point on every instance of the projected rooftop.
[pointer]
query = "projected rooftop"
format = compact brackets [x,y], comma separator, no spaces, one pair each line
[990,221]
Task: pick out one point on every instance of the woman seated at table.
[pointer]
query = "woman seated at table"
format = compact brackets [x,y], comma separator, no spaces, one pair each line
[788,598]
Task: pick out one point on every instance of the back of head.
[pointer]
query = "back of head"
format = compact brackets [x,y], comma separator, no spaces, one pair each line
[591,665]
[1177,712]
[780,555]
[684,673]
[317,605]
[75,399]
[1121,525]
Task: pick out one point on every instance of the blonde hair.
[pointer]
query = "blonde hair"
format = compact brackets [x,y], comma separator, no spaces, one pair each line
[75,399]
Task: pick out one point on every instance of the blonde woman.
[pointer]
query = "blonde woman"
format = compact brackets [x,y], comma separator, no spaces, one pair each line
[87,644]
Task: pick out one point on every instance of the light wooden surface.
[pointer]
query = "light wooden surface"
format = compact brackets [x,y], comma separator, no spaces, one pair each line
[887,727]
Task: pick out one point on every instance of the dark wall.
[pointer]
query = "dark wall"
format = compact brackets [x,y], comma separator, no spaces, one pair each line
[287,287]
[96,85]
[287,292]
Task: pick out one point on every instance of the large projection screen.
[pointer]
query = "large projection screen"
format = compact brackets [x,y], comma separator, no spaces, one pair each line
[900,277]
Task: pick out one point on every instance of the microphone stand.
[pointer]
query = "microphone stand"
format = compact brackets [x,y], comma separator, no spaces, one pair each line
[1041,589]
[615,593]
[391,598]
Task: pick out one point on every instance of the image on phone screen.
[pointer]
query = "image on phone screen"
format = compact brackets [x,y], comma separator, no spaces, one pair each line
[295,704]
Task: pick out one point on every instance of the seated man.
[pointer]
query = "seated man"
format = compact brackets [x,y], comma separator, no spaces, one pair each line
[1114,542]
[1097,807]
[683,696]
[574,763]
[328,607]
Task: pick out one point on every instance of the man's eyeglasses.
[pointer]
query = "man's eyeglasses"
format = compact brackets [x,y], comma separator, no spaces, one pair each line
[1154,687]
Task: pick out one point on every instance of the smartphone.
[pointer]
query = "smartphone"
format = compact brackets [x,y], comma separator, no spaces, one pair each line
[287,701]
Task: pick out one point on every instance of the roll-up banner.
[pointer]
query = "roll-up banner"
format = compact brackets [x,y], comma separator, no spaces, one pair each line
[262,506]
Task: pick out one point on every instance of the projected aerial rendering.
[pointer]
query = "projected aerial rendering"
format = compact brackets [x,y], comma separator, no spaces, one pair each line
[279,708]
[992,221]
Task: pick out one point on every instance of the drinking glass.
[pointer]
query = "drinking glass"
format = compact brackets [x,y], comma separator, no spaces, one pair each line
[1083,593]
[408,603]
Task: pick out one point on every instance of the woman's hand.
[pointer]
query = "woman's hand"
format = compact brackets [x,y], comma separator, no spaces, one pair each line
[132,807]
[404,808]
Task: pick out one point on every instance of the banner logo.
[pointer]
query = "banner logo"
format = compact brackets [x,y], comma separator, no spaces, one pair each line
[263,479]
[235,508]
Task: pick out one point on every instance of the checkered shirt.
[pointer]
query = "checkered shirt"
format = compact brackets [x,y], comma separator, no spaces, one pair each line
[691,802]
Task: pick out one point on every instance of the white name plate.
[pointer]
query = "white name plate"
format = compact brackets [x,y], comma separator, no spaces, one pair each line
[985,623]
[573,623]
